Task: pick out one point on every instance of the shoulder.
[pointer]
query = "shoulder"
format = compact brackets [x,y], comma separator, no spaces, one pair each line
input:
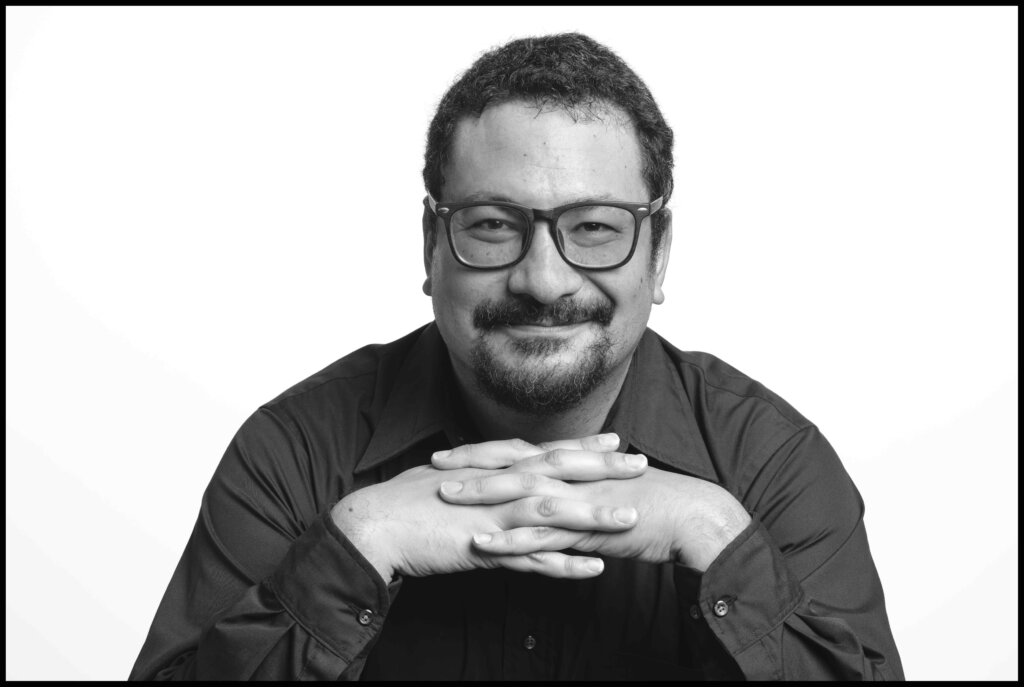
[746,428]
[325,421]
[721,388]
[295,453]
[354,379]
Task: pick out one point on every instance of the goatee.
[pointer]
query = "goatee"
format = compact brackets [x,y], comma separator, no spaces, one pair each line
[536,389]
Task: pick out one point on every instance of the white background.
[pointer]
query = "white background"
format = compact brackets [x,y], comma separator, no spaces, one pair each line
[199,203]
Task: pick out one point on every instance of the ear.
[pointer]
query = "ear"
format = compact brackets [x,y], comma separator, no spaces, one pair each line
[429,243]
[661,265]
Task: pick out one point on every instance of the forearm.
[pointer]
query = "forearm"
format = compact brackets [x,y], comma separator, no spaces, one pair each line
[707,530]
[749,610]
[314,617]
[257,639]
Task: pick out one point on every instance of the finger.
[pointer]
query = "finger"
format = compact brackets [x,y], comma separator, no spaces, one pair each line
[488,454]
[594,442]
[524,540]
[570,514]
[583,466]
[502,487]
[553,564]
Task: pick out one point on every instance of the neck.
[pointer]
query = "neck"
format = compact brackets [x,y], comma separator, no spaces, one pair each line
[497,421]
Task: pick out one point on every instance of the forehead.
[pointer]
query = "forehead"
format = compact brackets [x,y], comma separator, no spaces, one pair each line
[544,157]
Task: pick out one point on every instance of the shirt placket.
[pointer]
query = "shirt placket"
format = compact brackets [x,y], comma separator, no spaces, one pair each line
[528,647]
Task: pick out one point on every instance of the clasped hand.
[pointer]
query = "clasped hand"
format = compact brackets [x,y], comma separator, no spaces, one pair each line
[517,505]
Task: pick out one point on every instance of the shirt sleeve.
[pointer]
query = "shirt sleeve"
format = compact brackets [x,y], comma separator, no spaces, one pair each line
[267,587]
[796,595]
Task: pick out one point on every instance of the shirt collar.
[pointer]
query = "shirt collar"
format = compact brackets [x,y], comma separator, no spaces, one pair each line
[653,413]
[421,402]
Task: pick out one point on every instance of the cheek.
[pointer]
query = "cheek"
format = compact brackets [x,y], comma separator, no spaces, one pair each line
[457,292]
[632,299]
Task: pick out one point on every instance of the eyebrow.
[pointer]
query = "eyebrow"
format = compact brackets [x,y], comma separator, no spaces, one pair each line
[489,195]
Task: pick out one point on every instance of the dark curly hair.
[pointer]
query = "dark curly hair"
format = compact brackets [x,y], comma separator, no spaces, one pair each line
[567,70]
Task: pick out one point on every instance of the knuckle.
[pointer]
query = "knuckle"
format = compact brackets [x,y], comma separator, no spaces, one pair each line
[571,564]
[555,458]
[508,538]
[612,460]
[547,506]
[478,485]
[541,532]
[529,480]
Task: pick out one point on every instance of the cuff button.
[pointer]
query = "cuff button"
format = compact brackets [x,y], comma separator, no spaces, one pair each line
[365,616]
[721,608]
[695,612]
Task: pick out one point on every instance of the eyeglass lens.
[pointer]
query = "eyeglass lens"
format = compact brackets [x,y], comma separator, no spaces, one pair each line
[589,236]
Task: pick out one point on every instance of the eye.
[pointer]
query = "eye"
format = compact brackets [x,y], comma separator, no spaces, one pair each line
[592,227]
[595,229]
[491,224]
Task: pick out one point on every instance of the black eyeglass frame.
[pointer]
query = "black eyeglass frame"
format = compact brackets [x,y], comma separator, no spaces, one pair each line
[444,211]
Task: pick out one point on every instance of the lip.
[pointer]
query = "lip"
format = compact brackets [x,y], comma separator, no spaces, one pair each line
[544,330]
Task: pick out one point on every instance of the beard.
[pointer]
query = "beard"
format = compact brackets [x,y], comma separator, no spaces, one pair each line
[526,384]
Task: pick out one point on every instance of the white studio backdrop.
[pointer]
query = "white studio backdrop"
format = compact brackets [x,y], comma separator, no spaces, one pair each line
[206,205]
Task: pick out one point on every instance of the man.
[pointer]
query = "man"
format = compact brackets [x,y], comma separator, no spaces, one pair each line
[535,485]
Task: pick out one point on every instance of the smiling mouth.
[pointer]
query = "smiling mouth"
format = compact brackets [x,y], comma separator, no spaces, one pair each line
[545,328]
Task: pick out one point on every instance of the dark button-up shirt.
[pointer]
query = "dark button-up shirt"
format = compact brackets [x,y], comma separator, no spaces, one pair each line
[268,586]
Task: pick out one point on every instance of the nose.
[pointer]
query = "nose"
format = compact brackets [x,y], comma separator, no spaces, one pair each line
[542,273]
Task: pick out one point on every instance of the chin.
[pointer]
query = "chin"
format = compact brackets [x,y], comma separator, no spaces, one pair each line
[540,375]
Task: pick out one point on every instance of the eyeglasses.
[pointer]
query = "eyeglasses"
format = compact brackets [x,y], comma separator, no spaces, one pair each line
[590,235]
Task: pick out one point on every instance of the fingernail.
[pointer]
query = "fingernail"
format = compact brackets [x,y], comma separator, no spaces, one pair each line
[635,462]
[441,455]
[482,538]
[627,516]
[451,487]
[595,565]
[608,439]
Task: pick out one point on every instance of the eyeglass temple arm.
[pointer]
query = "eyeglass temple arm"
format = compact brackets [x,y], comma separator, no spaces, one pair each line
[430,203]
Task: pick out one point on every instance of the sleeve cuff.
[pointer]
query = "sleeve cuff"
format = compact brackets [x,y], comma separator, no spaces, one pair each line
[747,591]
[332,590]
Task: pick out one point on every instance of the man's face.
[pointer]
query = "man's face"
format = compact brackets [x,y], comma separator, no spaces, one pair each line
[540,335]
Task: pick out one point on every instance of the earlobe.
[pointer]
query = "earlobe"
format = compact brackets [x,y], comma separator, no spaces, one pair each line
[661,267]
[429,243]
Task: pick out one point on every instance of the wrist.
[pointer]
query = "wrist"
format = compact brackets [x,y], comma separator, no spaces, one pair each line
[350,516]
[703,543]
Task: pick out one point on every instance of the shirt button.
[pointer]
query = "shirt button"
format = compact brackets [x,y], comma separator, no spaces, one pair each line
[721,608]
[695,612]
[365,616]
[529,642]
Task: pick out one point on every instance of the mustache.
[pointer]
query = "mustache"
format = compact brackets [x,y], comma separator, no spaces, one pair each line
[491,314]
